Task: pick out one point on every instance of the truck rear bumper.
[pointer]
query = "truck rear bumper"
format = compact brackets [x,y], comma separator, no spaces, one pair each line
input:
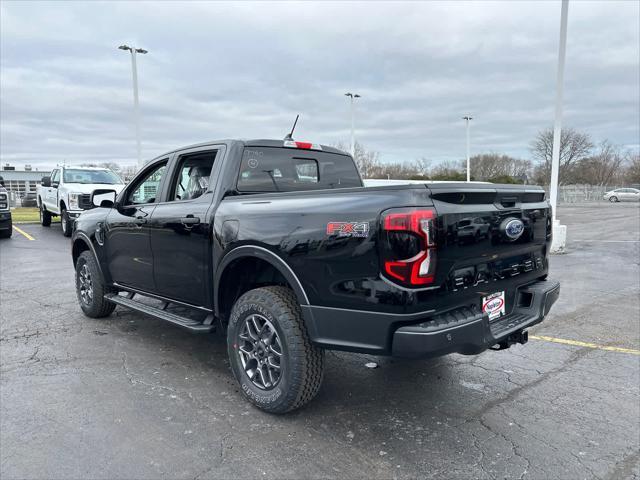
[428,334]
[470,333]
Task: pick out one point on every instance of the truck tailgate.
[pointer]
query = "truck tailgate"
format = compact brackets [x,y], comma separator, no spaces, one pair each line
[489,233]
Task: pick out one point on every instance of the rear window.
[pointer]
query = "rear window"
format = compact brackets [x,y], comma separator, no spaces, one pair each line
[270,169]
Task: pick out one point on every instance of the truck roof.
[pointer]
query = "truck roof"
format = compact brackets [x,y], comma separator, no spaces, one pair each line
[247,143]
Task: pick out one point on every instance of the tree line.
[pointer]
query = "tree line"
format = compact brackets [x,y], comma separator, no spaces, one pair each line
[581,162]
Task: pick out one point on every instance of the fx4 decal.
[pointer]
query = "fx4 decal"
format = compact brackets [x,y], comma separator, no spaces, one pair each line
[348,229]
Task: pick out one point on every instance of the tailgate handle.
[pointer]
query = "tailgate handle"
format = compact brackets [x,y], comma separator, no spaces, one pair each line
[508,201]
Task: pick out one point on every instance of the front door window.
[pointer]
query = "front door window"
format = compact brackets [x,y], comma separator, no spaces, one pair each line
[146,189]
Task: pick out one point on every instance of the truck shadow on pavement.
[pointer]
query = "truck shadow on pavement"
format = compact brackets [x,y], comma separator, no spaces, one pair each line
[348,382]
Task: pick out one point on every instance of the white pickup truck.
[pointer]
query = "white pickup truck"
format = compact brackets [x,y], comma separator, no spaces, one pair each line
[67,193]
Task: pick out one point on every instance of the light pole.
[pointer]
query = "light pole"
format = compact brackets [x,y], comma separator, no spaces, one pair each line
[353,137]
[559,232]
[468,118]
[136,106]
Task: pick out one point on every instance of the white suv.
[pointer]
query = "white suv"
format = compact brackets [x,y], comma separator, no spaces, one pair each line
[67,193]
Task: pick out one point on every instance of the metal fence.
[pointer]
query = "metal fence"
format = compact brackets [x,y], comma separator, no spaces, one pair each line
[582,193]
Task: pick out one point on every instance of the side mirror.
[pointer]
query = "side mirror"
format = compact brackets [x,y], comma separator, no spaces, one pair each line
[103,198]
[46,181]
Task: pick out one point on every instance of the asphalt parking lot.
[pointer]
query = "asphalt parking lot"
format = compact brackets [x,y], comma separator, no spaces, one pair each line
[132,397]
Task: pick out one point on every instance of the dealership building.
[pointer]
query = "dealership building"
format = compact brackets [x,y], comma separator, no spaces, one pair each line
[24,181]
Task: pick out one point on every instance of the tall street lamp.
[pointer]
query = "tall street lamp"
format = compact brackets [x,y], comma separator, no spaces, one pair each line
[559,232]
[468,118]
[136,106]
[352,96]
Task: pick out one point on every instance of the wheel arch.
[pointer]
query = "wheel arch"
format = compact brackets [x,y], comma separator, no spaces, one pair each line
[79,245]
[248,267]
[82,243]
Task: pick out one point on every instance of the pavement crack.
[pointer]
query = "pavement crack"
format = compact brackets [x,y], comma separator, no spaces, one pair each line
[34,355]
[125,370]
[627,467]
[555,449]
[513,394]
[514,448]
[133,380]
[478,446]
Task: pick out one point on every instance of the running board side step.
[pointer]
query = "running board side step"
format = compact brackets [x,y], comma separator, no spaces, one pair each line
[189,324]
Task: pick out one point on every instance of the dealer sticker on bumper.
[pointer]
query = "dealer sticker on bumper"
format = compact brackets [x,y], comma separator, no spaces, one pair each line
[493,305]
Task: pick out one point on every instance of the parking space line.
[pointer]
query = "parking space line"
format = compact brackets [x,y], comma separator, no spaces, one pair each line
[577,343]
[25,234]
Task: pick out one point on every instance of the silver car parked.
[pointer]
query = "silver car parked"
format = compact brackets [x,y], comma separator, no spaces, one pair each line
[622,195]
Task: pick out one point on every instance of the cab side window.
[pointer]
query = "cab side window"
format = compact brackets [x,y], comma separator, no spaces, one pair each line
[145,190]
[192,177]
[55,177]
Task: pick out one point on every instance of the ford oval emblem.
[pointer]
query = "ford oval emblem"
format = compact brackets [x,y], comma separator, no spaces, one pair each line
[513,228]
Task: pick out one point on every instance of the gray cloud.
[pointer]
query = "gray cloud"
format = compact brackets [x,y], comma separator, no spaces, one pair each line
[218,70]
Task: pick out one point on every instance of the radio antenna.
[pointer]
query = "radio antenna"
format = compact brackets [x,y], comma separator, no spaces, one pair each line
[289,135]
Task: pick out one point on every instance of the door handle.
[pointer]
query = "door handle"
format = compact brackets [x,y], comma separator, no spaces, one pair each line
[141,220]
[190,220]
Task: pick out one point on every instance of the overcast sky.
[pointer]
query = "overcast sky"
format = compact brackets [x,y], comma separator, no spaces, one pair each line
[243,70]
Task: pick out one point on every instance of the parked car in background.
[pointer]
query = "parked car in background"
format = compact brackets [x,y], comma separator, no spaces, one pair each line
[67,193]
[29,199]
[6,224]
[623,195]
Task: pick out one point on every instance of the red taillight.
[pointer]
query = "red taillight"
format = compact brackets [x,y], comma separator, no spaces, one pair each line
[302,145]
[408,250]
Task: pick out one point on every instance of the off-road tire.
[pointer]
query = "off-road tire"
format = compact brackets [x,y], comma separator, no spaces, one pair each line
[613,199]
[302,363]
[99,307]
[45,217]
[66,223]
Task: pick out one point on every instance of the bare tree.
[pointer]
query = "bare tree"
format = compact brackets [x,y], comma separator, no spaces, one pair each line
[603,168]
[422,167]
[632,172]
[489,166]
[574,146]
[449,170]
[128,172]
[110,165]
[415,170]
[367,161]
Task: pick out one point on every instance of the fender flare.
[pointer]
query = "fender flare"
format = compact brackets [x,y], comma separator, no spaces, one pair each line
[85,239]
[247,251]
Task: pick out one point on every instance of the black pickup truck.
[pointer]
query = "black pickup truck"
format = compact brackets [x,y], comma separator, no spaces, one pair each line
[6,225]
[279,244]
